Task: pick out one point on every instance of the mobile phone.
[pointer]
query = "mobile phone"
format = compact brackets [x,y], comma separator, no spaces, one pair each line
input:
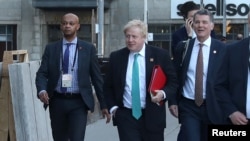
[190,22]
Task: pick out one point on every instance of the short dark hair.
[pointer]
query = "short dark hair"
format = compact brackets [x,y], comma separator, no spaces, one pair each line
[205,12]
[188,6]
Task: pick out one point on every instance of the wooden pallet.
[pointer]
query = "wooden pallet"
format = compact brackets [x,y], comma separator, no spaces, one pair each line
[7,125]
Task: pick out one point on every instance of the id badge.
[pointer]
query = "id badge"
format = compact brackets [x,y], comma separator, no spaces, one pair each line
[66,80]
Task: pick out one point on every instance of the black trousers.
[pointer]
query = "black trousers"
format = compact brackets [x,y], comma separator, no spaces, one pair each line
[131,129]
[68,118]
[194,121]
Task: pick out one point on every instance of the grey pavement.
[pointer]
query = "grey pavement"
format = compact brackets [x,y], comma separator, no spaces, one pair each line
[100,131]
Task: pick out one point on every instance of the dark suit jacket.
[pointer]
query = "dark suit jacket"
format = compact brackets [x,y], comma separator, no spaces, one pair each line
[88,72]
[217,49]
[231,85]
[181,35]
[116,77]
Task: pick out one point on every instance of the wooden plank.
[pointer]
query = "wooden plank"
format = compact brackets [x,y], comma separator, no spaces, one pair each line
[17,114]
[42,116]
[22,102]
[31,119]
[4,110]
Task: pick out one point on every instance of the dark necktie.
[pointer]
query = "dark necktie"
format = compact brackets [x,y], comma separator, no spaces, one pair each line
[135,92]
[199,78]
[65,64]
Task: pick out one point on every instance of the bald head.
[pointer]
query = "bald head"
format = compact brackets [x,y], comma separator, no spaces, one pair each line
[69,26]
[70,16]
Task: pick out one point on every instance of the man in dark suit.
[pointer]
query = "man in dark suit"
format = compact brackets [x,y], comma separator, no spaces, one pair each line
[64,81]
[195,114]
[119,87]
[186,32]
[233,82]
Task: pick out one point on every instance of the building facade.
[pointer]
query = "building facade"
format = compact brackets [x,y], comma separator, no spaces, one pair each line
[31,24]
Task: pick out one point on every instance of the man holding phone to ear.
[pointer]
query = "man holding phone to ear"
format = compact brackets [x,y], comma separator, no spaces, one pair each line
[195,104]
[186,32]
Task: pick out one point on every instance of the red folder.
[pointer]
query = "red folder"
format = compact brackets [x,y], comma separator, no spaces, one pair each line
[158,81]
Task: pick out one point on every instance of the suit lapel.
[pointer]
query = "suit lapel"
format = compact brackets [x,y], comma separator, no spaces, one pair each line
[123,65]
[212,55]
[58,54]
[244,46]
[149,63]
[82,54]
[186,60]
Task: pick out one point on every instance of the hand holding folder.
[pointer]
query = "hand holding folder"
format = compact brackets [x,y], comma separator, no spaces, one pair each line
[158,81]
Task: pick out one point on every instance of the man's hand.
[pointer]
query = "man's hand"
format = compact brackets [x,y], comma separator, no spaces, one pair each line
[189,27]
[174,110]
[44,97]
[159,96]
[238,118]
[106,113]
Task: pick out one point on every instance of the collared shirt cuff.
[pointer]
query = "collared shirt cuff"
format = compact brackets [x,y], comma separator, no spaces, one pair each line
[164,94]
[112,109]
[41,92]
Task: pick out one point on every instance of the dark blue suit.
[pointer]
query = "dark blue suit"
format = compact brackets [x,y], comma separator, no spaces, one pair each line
[154,116]
[181,35]
[210,112]
[88,73]
[231,84]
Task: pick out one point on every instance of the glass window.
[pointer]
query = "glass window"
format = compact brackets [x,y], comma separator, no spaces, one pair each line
[161,35]
[7,38]
[231,30]
[3,38]
[9,29]
[2,29]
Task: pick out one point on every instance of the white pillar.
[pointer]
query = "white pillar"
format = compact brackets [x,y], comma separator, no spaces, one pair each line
[100,50]
[146,15]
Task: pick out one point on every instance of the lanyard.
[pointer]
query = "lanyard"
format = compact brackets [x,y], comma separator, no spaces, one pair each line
[74,57]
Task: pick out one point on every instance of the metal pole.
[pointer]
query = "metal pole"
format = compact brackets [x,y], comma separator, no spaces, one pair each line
[100,25]
[146,11]
[201,4]
[93,32]
[224,19]
[146,15]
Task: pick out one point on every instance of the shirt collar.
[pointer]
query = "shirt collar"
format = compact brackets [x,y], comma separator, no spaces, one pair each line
[141,52]
[74,41]
[206,43]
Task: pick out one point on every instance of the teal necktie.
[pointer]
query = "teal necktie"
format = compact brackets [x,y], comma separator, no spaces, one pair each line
[136,103]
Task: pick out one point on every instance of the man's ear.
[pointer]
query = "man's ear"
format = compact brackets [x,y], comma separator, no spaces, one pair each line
[78,27]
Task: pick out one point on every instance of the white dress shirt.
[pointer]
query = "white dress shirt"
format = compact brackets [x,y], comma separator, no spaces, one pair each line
[127,98]
[189,86]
